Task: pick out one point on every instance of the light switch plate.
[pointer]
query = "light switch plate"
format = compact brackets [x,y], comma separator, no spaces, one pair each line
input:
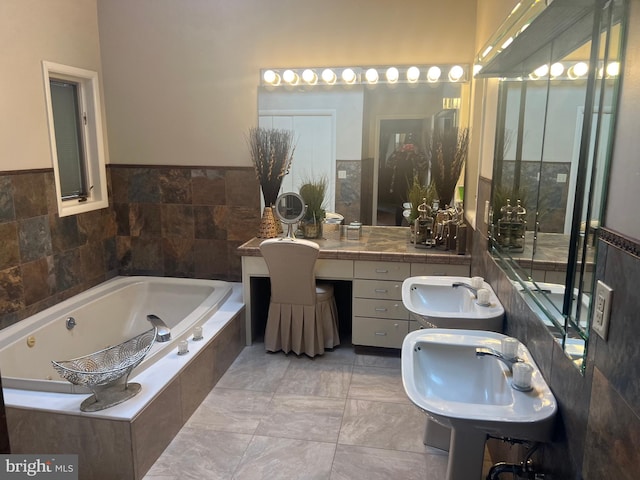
[602,309]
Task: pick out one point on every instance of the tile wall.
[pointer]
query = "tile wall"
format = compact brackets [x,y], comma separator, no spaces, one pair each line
[598,426]
[45,259]
[184,222]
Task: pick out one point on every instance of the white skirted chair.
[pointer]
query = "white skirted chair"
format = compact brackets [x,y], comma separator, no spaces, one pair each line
[303,317]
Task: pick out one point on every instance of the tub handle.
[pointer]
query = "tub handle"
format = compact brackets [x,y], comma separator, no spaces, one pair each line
[163,333]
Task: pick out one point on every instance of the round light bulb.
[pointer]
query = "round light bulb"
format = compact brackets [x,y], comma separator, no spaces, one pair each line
[433,74]
[371,75]
[413,74]
[290,77]
[456,73]
[613,69]
[348,75]
[542,70]
[310,76]
[506,43]
[578,70]
[329,76]
[271,77]
[392,74]
[556,69]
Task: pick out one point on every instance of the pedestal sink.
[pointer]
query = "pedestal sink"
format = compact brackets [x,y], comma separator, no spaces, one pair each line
[436,301]
[473,395]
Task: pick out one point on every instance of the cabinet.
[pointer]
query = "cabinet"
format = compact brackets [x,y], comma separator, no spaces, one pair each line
[379,316]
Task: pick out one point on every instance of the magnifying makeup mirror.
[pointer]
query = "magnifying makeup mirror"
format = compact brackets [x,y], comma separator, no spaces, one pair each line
[290,209]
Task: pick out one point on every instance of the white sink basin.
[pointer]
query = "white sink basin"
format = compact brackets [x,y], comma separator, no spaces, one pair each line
[435,302]
[471,395]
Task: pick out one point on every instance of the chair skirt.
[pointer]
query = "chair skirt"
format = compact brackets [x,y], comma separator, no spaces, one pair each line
[308,329]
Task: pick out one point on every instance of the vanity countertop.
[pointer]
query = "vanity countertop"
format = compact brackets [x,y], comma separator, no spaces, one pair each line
[375,243]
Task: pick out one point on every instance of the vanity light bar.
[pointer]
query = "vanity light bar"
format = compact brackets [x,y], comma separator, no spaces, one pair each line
[573,71]
[411,74]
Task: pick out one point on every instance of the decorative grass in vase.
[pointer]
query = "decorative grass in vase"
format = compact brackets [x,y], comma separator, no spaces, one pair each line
[313,192]
[271,152]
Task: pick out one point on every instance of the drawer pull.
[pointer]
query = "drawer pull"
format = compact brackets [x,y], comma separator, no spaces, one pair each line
[381,309]
[381,290]
[381,334]
[382,270]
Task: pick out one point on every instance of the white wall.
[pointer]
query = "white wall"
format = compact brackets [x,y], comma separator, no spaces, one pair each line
[181,76]
[61,31]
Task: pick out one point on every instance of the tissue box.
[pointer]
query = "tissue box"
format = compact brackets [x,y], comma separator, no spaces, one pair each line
[353,231]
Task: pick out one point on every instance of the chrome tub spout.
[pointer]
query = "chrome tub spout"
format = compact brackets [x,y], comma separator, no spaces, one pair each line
[163,332]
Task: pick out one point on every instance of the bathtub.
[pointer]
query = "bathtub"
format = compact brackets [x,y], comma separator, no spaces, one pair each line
[43,411]
[106,315]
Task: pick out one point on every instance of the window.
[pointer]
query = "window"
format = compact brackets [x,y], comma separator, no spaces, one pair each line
[75,135]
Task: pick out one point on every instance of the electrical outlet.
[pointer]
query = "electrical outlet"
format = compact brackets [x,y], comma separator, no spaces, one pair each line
[602,309]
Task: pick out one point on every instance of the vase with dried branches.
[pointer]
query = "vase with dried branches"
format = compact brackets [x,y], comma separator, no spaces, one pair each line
[271,152]
[449,153]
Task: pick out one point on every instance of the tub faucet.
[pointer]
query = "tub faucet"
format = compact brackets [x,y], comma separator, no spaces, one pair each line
[509,362]
[163,333]
[467,286]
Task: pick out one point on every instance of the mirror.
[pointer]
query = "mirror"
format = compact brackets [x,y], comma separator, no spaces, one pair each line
[290,209]
[349,135]
[555,124]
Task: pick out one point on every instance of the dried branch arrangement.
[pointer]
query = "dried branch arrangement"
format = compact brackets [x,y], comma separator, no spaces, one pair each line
[450,150]
[271,152]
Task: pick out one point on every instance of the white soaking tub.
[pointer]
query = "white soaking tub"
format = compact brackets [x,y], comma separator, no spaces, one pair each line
[122,441]
[105,315]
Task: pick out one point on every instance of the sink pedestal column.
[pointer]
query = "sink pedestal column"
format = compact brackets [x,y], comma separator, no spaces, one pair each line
[436,435]
[466,454]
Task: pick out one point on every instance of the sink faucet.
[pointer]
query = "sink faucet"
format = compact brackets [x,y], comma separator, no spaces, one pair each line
[468,287]
[509,362]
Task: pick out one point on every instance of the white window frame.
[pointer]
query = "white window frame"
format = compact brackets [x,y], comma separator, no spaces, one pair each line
[96,174]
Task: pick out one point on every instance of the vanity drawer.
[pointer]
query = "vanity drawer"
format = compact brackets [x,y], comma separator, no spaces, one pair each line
[382,270]
[377,289]
[377,332]
[368,307]
[420,269]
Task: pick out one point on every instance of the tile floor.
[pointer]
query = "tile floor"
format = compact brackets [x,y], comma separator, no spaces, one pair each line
[341,416]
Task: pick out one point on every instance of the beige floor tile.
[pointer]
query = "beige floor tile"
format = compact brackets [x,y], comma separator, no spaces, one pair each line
[316,379]
[269,458]
[232,410]
[342,354]
[393,426]
[377,384]
[303,417]
[363,463]
[256,370]
[201,453]
[388,360]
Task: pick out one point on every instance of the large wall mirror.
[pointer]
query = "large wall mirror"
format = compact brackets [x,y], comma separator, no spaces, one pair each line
[559,74]
[349,134]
